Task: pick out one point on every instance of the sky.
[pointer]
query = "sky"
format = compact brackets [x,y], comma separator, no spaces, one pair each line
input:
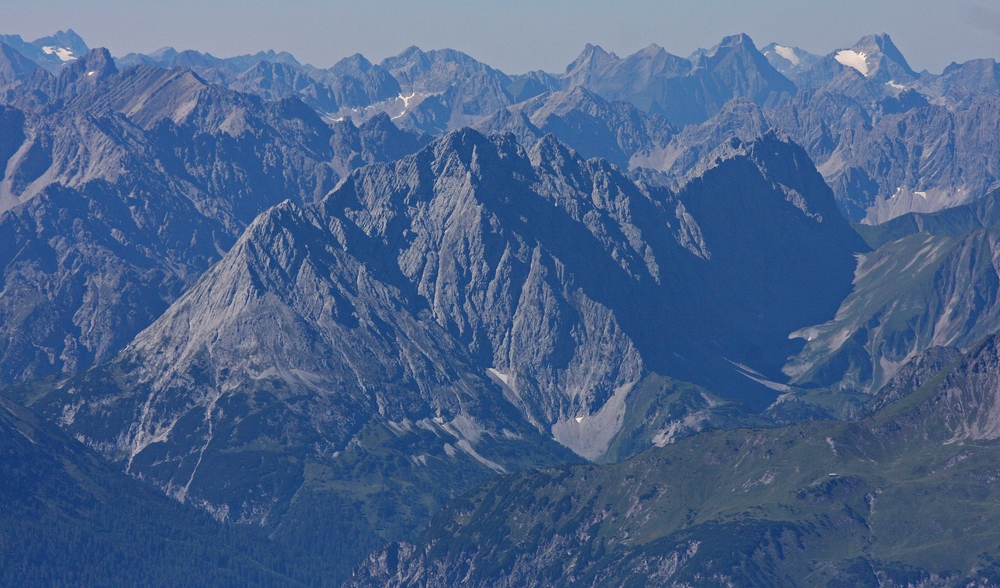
[513,35]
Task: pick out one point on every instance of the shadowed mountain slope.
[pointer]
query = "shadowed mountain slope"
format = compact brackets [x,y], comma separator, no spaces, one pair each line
[69,519]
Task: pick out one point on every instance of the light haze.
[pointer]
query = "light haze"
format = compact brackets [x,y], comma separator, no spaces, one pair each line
[513,35]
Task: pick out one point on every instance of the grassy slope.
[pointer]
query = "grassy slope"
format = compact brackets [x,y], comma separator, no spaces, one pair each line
[753,507]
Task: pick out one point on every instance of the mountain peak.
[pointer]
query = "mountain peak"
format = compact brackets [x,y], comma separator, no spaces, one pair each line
[739,39]
[741,43]
[163,53]
[592,57]
[728,44]
[877,56]
[883,43]
[66,40]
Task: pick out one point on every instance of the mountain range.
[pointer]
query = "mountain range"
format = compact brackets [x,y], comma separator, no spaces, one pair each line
[691,321]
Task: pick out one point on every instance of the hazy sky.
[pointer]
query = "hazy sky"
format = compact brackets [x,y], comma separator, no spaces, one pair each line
[513,35]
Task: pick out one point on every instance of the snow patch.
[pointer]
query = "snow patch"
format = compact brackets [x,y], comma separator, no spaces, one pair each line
[855,59]
[758,377]
[62,53]
[505,378]
[788,53]
[893,84]
[467,447]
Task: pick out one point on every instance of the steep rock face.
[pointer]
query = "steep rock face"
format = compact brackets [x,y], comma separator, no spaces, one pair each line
[293,379]
[117,184]
[356,82]
[796,222]
[959,81]
[291,340]
[610,76]
[491,277]
[838,503]
[964,405]
[740,119]
[888,140]
[555,277]
[640,261]
[527,86]
[273,81]
[42,90]
[377,140]
[83,274]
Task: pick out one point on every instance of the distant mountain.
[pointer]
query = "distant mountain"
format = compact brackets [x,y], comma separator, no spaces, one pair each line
[739,121]
[438,91]
[831,503]
[169,57]
[324,305]
[959,82]
[352,82]
[616,131]
[790,61]
[899,154]
[683,92]
[884,150]
[873,68]
[49,52]
[447,88]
